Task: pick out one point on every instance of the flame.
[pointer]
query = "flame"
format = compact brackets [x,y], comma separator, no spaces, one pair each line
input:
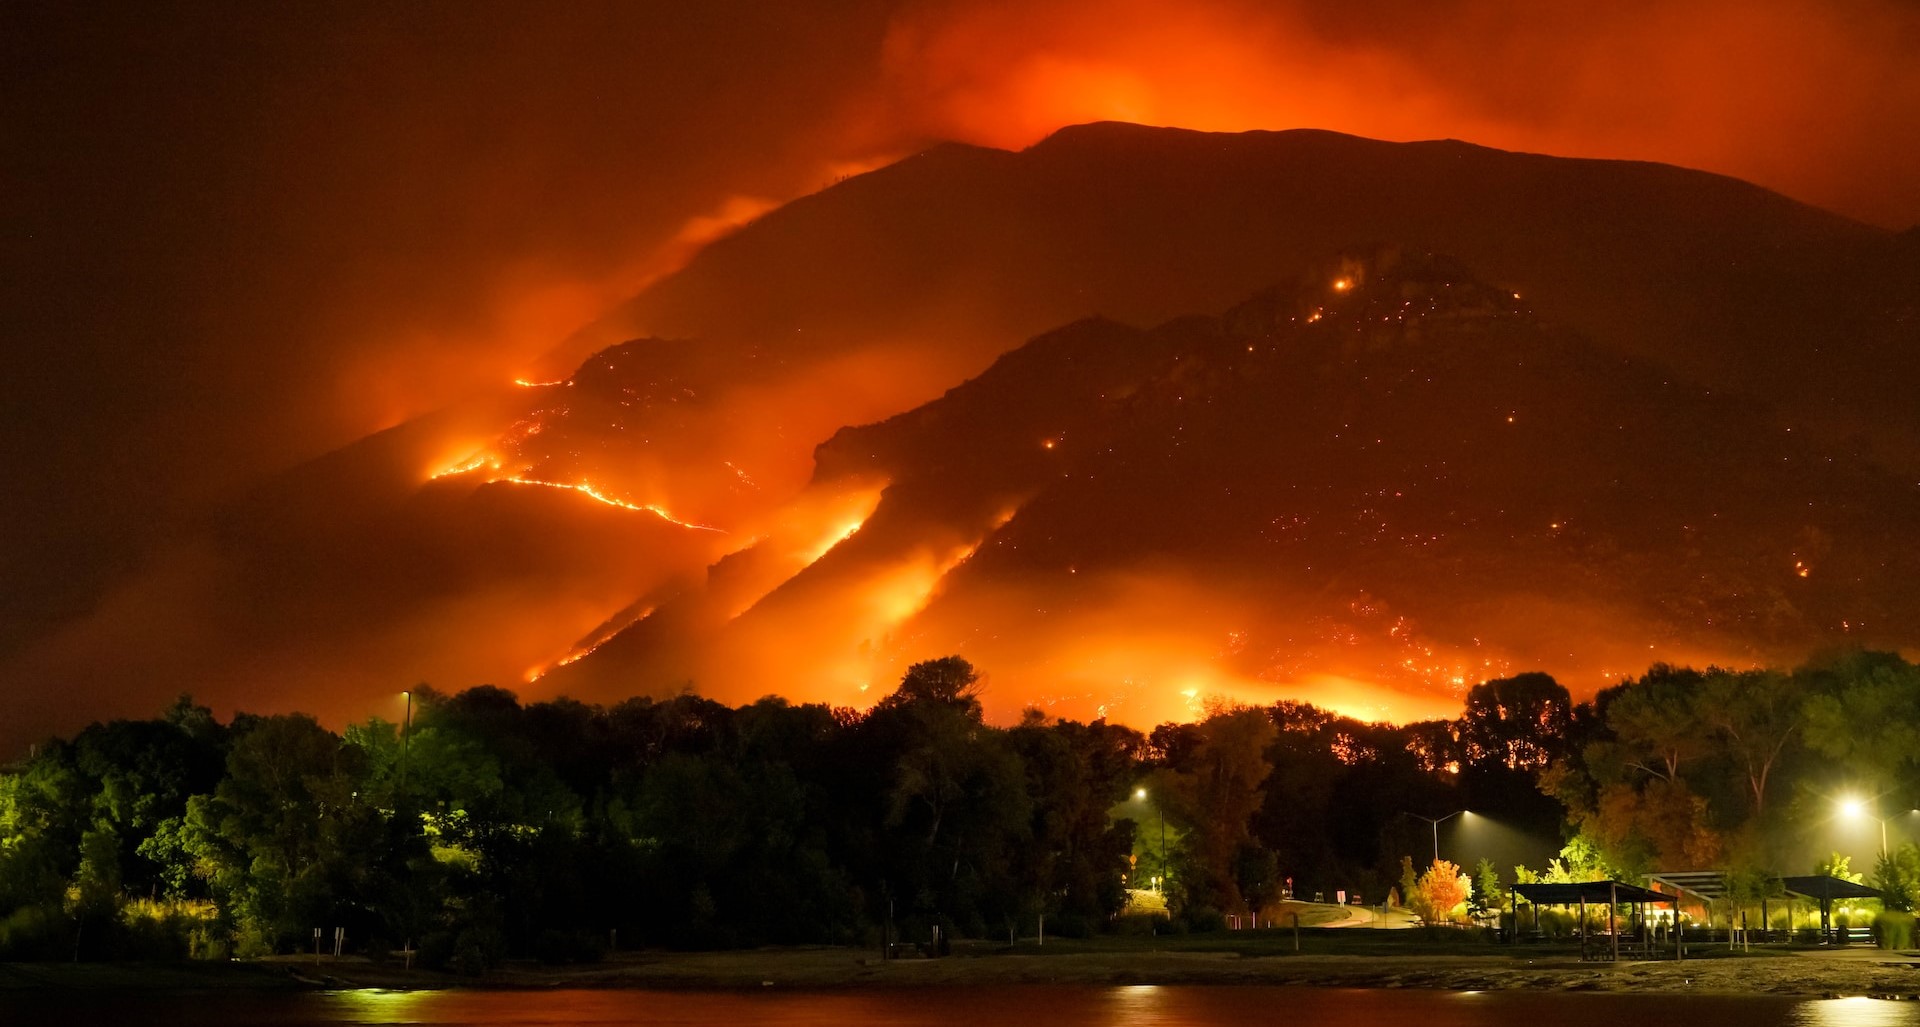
[588,489]
[591,492]
[907,591]
[472,463]
[836,535]
[527,384]
[586,648]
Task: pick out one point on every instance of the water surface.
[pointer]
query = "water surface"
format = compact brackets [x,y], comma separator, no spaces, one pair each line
[1020,1006]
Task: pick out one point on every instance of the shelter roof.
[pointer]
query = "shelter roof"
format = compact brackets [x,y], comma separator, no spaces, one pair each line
[1588,891]
[1707,884]
[1827,888]
[1712,885]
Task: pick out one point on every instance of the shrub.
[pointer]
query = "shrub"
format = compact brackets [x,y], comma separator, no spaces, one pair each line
[1201,919]
[1070,925]
[1893,929]
[555,947]
[36,932]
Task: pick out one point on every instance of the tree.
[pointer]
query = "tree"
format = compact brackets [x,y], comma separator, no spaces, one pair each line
[1657,720]
[947,681]
[1486,890]
[1897,875]
[281,838]
[1754,714]
[1837,866]
[1864,709]
[956,808]
[1518,723]
[1213,797]
[1438,896]
[1076,773]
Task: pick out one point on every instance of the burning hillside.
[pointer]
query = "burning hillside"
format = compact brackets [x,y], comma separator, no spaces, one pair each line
[1372,487]
[1388,479]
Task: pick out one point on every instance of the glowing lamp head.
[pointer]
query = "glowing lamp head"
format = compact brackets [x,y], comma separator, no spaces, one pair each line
[1139,793]
[1342,284]
[1853,808]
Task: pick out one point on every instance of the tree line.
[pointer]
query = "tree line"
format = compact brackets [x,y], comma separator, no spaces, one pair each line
[488,828]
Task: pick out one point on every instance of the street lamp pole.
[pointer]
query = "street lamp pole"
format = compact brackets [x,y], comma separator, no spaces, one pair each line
[1160,883]
[1435,823]
[1858,808]
[406,738]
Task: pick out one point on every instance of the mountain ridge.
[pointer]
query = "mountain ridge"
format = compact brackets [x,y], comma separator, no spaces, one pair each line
[1414,547]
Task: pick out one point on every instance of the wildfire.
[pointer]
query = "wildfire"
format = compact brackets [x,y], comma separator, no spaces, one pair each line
[588,489]
[472,463]
[584,649]
[836,535]
[903,594]
[526,384]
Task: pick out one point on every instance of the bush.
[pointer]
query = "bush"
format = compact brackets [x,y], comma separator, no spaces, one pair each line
[1070,925]
[1893,929]
[1555,923]
[556,947]
[1140,924]
[36,933]
[436,950]
[1201,919]
[477,950]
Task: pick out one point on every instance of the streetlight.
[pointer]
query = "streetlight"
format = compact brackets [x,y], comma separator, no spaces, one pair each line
[406,737]
[1161,882]
[1435,821]
[1854,808]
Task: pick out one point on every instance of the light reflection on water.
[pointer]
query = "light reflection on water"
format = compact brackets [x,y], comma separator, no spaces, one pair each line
[1856,1012]
[1022,1006]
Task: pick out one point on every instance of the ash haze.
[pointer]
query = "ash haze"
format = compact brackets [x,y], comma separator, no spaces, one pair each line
[269,268]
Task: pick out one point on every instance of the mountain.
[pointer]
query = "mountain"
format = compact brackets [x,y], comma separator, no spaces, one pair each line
[955,252]
[1374,486]
[664,483]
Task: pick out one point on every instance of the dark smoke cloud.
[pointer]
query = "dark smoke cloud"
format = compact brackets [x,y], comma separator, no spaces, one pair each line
[1818,100]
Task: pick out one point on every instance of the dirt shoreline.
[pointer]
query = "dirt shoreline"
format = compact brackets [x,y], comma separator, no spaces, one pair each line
[1811,974]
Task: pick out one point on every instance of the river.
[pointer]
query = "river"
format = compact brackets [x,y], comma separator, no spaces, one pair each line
[1021,1006]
